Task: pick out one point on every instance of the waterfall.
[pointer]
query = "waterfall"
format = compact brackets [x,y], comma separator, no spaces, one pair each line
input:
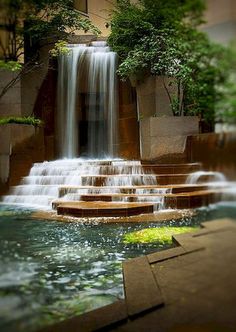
[76,179]
[89,71]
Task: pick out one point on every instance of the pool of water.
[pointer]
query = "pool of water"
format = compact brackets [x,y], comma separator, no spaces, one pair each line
[53,270]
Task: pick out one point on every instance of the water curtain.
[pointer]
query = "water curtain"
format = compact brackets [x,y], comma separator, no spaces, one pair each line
[90,70]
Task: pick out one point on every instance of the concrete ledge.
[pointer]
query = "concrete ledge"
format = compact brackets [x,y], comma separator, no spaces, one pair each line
[94,320]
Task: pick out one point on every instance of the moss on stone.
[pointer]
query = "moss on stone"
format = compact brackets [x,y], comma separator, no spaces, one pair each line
[162,235]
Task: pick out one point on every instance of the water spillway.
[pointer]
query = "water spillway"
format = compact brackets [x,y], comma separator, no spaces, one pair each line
[112,187]
[87,102]
[83,180]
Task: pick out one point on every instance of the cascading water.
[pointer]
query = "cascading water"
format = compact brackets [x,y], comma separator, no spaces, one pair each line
[89,71]
[76,179]
[205,177]
[87,108]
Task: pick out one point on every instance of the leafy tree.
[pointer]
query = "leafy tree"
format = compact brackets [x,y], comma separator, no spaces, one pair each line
[226,93]
[39,21]
[33,24]
[161,38]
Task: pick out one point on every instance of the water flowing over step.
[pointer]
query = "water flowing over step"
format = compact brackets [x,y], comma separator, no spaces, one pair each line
[83,187]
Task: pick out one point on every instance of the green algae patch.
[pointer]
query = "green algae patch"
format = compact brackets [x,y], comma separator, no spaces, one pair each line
[162,235]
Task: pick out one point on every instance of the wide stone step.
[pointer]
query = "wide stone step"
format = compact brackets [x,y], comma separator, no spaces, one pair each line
[27,200]
[174,201]
[101,209]
[101,180]
[153,189]
[171,168]
[74,170]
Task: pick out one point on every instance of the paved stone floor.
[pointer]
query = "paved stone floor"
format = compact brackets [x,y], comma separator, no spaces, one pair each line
[191,288]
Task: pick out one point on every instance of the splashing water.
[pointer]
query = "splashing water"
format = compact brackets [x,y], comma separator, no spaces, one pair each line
[87,179]
[205,177]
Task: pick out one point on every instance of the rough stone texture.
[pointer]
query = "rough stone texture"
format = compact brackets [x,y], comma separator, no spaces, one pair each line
[152,97]
[162,136]
[10,103]
[195,282]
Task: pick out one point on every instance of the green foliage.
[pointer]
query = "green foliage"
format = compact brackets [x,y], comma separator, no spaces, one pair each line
[60,48]
[10,65]
[42,22]
[226,93]
[161,235]
[130,23]
[161,38]
[29,120]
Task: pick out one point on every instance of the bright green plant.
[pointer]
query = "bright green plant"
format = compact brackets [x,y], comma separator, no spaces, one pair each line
[29,120]
[162,235]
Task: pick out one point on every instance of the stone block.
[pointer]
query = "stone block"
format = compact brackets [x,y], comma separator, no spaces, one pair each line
[174,126]
[165,135]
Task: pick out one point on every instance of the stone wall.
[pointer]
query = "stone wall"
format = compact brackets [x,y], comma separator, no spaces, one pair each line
[21,145]
[216,152]
[10,103]
[128,123]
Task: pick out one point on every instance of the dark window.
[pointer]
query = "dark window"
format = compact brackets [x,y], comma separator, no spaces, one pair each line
[81,5]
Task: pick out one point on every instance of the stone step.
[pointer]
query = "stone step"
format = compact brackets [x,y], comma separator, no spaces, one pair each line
[174,201]
[101,180]
[27,199]
[154,189]
[116,170]
[101,209]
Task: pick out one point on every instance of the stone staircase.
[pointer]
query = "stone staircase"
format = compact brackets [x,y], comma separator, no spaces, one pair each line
[94,188]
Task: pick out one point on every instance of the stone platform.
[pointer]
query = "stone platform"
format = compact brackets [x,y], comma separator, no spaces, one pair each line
[98,209]
[116,187]
[190,287]
[162,185]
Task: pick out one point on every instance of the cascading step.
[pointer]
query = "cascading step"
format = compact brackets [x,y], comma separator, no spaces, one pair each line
[151,189]
[173,201]
[101,209]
